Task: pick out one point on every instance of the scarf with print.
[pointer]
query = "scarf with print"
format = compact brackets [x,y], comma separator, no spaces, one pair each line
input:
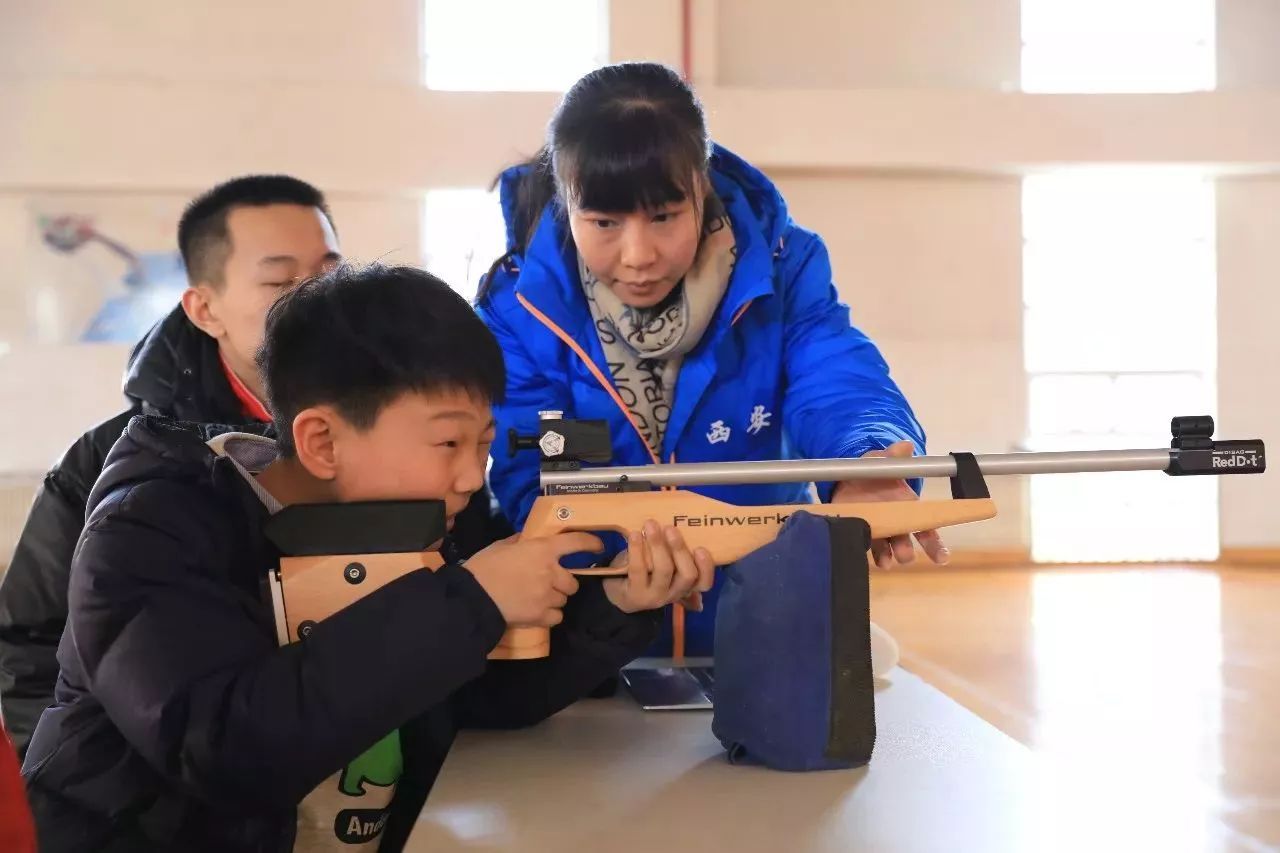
[645,346]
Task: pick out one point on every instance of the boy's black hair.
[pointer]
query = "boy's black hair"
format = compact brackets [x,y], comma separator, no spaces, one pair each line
[202,231]
[357,338]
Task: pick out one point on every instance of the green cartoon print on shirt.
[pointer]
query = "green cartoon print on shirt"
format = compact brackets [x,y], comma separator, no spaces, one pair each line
[381,764]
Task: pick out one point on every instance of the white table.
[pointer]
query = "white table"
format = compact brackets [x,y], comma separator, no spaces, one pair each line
[606,776]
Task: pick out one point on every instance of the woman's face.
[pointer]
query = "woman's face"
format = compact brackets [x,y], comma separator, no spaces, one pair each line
[642,255]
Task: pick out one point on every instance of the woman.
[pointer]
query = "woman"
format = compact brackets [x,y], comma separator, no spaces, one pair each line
[656,281]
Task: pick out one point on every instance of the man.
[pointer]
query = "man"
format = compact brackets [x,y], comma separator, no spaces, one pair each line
[244,243]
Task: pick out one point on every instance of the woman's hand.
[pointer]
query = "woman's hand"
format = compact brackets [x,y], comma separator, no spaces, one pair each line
[660,570]
[886,550]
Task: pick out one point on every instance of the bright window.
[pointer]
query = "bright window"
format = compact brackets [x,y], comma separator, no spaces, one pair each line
[1120,336]
[1118,45]
[511,45]
[462,235]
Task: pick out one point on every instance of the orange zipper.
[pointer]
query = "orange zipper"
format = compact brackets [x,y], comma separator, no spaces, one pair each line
[591,365]
[677,611]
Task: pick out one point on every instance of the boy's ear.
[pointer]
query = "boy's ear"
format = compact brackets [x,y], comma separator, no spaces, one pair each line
[314,430]
[198,305]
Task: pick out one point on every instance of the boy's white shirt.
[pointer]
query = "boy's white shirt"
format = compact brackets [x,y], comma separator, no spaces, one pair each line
[327,816]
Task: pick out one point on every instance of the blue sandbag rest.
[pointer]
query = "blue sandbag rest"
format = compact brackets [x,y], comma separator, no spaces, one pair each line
[793,684]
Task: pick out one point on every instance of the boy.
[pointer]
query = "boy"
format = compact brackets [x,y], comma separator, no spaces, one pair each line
[180,725]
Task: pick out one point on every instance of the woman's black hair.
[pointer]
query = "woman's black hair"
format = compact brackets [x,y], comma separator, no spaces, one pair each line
[630,136]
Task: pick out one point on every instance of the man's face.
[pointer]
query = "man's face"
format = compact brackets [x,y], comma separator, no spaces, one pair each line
[421,447]
[272,249]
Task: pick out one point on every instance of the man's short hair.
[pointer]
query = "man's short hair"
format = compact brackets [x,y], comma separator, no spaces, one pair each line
[202,230]
[358,338]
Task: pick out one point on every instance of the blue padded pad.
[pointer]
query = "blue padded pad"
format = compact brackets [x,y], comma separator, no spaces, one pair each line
[793,682]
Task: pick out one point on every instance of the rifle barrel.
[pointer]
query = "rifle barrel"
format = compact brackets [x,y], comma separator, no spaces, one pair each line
[826,470]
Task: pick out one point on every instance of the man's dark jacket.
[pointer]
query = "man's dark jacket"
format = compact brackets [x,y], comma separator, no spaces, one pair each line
[173,371]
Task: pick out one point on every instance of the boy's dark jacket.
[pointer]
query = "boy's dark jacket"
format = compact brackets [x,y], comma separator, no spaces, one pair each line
[179,723]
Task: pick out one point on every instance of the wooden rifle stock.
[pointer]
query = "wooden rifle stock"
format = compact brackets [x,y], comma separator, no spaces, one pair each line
[727,531]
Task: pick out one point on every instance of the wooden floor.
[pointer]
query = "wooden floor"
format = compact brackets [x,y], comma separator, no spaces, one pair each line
[1150,696]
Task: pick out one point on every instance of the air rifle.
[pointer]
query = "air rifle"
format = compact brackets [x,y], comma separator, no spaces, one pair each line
[335,554]
[620,499]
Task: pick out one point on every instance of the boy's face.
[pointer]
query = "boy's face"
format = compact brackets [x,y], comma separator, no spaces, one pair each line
[421,447]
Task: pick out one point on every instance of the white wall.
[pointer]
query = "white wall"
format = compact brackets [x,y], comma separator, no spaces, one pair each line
[124,112]
[1248,350]
[885,124]
[931,269]
[868,44]
[1247,36]
[929,261]
[340,41]
[1248,298]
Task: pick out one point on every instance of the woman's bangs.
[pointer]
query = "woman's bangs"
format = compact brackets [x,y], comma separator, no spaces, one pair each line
[624,169]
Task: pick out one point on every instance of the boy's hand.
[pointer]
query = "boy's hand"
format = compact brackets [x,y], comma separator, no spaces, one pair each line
[525,579]
[660,569]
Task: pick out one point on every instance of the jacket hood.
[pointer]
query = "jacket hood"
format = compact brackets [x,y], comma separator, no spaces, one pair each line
[154,448]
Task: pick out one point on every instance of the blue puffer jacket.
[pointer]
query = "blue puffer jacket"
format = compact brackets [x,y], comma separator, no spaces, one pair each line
[780,372]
